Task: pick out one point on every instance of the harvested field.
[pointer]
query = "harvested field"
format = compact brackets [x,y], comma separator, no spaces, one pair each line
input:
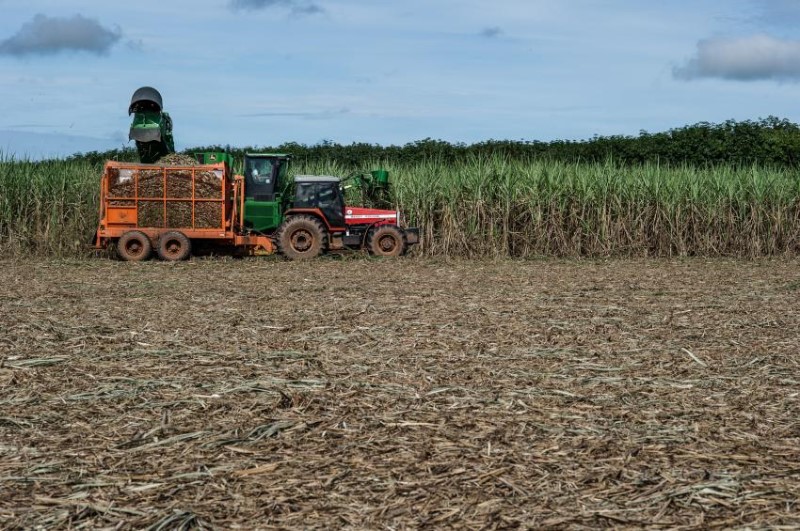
[400,394]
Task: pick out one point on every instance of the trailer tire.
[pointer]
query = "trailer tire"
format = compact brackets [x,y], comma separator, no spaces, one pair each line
[386,240]
[174,246]
[134,246]
[302,238]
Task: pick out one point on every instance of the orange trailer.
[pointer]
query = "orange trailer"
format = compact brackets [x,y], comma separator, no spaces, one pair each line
[147,207]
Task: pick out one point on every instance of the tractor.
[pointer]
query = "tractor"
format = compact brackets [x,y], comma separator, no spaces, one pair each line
[307,215]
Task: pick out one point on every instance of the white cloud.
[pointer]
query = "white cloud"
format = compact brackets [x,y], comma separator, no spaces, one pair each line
[45,35]
[758,57]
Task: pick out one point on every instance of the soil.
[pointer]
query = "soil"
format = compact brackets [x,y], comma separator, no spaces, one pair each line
[356,393]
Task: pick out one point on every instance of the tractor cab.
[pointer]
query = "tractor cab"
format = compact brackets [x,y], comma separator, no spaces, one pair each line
[323,193]
[265,176]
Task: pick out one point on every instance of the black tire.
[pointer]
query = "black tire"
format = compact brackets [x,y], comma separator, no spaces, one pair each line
[174,246]
[302,238]
[386,240]
[134,246]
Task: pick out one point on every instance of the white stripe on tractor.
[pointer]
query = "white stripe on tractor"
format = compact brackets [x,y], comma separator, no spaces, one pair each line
[370,216]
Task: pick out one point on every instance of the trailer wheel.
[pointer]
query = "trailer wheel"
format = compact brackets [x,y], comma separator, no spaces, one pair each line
[174,246]
[134,246]
[302,238]
[386,240]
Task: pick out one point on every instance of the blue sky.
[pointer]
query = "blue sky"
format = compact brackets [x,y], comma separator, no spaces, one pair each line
[264,72]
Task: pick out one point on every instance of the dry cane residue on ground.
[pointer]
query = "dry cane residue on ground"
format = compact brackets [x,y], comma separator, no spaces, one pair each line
[399,394]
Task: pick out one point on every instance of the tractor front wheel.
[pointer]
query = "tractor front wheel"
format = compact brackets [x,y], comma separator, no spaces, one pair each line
[174,246]
[302,238]
[134,246]
[386,240]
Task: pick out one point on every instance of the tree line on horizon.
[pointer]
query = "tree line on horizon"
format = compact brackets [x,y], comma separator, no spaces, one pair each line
[769,141]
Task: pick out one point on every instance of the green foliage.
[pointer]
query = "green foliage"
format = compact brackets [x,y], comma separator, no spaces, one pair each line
[47,207]
[100,157]
[770,141]
[487,206]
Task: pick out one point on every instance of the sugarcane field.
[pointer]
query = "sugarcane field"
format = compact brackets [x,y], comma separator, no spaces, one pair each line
[341,265]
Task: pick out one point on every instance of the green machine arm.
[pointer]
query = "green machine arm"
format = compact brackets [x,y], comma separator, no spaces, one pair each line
[374,186]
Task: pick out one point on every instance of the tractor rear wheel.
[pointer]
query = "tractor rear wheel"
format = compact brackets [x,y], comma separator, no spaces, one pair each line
[134,246]
[302,238]
[174,246]
[386,240]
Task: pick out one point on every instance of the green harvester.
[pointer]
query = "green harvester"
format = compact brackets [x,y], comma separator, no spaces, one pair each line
[151,127]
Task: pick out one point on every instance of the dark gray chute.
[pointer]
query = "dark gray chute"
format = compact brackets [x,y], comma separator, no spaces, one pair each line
[150,134]
[146,98]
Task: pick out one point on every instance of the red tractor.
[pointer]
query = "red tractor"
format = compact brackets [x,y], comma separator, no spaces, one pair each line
[318,220]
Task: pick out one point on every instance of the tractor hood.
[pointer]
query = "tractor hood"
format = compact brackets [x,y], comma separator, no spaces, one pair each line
[369,216]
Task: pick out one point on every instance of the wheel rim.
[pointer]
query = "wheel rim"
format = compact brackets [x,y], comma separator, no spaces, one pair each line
[387,244]
[302,241]
[172,248]
[134,248]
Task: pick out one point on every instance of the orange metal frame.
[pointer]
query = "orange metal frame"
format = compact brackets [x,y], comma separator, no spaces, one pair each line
[114,220]
[117,220]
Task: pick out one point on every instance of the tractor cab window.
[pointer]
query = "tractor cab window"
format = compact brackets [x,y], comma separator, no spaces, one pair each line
[260,170]
[325,196]
[331,202]
[329,196]
[306,195]
[283,170]
[259,177]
